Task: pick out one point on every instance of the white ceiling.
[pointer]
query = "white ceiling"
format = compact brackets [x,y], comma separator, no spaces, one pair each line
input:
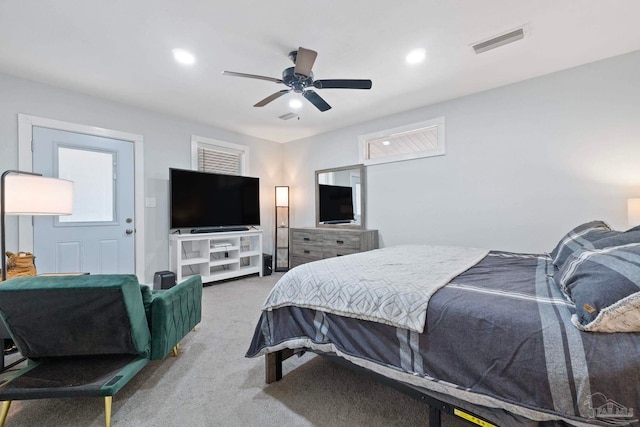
[121,50]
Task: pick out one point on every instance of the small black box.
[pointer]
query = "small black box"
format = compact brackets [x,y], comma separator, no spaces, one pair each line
[267,268]
[164,280]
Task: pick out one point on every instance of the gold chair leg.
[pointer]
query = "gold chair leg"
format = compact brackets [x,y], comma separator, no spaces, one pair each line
[5,410]
[107,410]
[175,351]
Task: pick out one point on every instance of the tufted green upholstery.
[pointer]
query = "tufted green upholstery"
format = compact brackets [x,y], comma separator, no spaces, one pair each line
[173,313]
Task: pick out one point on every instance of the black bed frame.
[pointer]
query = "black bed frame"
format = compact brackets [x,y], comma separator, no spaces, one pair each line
[273,373]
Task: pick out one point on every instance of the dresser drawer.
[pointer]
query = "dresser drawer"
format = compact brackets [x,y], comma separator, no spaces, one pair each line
[347,241]
[306,238]
[334,252]
[298,260]
[306,251]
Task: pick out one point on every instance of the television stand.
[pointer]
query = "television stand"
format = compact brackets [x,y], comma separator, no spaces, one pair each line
[215,256]
[217,230]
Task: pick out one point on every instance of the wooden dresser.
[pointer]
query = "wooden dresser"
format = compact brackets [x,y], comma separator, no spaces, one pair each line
[312,244]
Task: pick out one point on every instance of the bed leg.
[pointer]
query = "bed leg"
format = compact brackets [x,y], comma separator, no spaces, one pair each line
[273,367]
[273,364]
[434,417]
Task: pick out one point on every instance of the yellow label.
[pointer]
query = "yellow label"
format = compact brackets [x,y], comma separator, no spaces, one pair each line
[471,418]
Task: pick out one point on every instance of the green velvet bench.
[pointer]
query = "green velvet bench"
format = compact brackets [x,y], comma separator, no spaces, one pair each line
[89,335]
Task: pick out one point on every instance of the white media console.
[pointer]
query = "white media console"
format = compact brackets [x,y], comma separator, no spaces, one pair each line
[215,256]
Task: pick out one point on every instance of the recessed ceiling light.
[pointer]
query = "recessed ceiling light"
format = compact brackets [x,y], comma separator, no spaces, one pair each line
[416,56]
[386,142]
[183,57]
[295,103]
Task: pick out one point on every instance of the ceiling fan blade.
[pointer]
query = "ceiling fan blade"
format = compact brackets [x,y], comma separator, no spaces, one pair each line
[270,98]
[316,100]
[251,76]
[304,61]
[342,84]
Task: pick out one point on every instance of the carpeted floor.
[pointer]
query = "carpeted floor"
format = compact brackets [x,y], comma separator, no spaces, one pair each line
[211,383]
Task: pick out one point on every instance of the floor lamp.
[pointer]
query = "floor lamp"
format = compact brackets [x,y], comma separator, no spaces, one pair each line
[282,228]
[28,193]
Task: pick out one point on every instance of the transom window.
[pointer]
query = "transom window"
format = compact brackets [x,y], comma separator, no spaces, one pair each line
[416,140]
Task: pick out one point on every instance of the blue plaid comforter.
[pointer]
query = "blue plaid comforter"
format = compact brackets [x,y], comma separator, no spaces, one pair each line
[498,337]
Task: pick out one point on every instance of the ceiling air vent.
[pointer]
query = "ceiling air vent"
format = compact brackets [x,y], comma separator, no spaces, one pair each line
[498,41]
[288,116]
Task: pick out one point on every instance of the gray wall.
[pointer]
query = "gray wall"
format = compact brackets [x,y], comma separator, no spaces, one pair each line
[167,143]
[524,163]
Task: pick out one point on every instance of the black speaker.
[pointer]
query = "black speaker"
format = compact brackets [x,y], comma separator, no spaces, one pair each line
[267,268]
[164,280]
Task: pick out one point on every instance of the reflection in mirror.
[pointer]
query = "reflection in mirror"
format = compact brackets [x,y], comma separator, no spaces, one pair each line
[340,197]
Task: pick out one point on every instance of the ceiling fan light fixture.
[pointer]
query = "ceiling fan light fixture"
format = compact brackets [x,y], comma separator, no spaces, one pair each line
[416,56]
[183,57]
[295,103]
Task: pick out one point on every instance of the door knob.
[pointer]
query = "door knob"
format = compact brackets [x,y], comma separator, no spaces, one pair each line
[129,231]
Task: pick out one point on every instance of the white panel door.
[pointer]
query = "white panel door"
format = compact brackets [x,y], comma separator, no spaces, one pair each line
[98,238]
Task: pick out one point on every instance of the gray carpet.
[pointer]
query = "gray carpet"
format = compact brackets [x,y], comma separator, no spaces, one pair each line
[211,383]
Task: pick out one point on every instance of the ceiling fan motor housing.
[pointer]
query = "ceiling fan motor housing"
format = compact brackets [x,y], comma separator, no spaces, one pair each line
[296,82]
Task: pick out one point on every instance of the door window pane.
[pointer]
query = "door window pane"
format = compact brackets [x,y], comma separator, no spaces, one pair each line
[93,184]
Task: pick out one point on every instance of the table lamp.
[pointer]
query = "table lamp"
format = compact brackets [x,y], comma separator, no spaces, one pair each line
[633,211]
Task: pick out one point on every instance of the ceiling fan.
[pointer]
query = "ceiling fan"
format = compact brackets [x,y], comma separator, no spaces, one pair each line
[300,78]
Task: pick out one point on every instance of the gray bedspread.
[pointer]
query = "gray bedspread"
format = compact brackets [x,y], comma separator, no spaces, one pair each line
[498,336]
[391,285]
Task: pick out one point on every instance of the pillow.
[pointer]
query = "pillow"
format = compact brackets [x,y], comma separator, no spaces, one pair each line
[580,238]
[618,239]
[604,284]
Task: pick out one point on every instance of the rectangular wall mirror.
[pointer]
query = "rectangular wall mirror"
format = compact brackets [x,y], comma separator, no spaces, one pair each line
[340,197]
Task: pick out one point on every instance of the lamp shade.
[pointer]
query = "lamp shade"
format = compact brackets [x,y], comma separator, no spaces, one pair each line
[633,211]
[282,196]
[37,195]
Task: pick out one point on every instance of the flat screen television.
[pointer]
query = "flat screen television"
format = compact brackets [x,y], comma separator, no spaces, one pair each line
[336,204]
[201,200]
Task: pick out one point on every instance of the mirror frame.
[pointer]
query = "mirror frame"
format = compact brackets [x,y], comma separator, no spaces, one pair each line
[363,192]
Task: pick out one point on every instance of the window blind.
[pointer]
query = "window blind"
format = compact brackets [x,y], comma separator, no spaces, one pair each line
[216,161]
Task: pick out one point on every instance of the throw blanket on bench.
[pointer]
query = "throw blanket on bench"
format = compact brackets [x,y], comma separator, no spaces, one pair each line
[391,285]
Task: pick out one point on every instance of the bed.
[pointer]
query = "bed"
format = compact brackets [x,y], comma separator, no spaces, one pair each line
[510,339]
